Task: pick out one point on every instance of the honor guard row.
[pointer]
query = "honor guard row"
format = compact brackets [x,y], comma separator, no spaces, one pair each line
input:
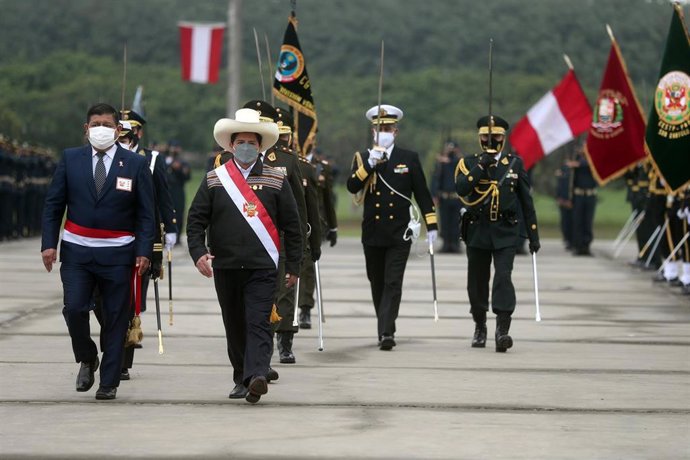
[25,173]
[660,221]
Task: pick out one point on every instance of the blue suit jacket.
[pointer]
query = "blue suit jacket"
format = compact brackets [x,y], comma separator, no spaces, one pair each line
[73,188]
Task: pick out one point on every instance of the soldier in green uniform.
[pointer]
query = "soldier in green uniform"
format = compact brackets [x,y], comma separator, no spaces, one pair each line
[494,187]
[385,178]
[315,217]
[329,230]
[302,181]
[312,248]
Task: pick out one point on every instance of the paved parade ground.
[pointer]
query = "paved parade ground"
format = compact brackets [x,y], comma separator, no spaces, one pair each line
[605,375]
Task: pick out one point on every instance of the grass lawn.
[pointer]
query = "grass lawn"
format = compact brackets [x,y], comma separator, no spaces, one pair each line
[611,213]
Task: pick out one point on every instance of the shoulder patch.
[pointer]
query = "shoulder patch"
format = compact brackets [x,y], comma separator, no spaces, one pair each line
[212,179]
[269,170]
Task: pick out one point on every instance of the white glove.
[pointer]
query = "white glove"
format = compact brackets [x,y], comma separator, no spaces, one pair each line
[170,240]
[431,236]
[681,213]
[375,156]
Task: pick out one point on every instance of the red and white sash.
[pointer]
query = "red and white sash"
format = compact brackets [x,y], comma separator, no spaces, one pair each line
[251,208]
[95,237]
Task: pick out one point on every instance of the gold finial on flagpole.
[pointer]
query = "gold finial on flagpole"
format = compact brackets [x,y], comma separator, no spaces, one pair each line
[568,62]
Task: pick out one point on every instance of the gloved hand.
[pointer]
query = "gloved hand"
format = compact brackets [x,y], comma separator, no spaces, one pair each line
[485,160]
[332,236]
[375,156]
[155,270]
[315,254]
[431,236]
[534,246]
[170,240]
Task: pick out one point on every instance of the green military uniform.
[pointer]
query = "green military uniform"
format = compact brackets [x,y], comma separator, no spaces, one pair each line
[495,189]
[329,231]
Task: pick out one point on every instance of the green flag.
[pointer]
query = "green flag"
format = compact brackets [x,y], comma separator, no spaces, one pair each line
[668,129]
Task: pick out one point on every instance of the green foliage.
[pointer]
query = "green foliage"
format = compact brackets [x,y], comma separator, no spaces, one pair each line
[57,57]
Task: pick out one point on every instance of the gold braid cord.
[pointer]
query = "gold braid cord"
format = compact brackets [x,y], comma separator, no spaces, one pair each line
[358,198]
[482,194]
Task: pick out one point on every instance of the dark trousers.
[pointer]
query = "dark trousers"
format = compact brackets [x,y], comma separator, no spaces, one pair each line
[655,216]
[285,297]
[307,281]
[583,221]
[113,282]
[450,222]
[567,225]
[246,299]
[479,273]
[385,270]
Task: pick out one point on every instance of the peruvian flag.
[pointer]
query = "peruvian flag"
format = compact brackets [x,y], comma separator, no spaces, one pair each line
[617,131]
[560,115]
[200,51]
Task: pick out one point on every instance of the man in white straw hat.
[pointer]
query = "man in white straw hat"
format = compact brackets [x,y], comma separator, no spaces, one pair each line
[244,204]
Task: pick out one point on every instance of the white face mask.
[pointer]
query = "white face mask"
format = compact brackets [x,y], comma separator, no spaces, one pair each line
[101,137]
[385,139]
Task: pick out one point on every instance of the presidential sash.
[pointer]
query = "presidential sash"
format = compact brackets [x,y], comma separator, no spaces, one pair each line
[250,207]
[95,237]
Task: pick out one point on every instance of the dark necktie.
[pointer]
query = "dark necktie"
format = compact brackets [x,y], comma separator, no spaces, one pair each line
[99,173]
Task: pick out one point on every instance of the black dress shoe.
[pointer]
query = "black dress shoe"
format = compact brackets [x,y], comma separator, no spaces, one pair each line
[479,339]
[257,386]
[304,318]
[239,392]
[106,393]
[85,377]
[271,375]
[124,374]
[387,343]
[685,290]
[285,347]
[503,340]
[675,282]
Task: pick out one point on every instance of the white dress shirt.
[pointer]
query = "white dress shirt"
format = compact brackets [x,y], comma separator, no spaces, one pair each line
[107,159]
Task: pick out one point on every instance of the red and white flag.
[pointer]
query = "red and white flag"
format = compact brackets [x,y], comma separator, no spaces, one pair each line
[560,115]
[201,46]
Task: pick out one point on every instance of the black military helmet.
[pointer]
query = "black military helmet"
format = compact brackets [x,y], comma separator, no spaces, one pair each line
[266,110]
[284,121]
[498,128]
[133,118]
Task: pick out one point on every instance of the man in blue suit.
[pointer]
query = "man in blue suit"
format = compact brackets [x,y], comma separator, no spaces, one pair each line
[107,241]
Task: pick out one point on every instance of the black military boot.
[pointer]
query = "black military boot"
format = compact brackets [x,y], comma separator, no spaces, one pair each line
[304,318]
[479,338]
[503,340]
[285,347]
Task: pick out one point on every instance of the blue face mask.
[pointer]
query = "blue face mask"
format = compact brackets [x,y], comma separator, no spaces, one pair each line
[246,153]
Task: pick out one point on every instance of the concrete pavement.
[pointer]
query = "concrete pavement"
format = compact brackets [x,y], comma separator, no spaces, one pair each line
[605,375]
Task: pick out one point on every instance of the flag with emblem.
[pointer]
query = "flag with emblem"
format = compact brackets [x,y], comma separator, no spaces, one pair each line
[201,47]
[292,86]
[557,118]
[616,134]
[668,131]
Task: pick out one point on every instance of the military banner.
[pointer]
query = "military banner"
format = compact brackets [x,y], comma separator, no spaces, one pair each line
[292,86]
[668,131]
[616,135]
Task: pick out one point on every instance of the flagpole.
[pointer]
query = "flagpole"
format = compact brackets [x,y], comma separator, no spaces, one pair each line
[234,55]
